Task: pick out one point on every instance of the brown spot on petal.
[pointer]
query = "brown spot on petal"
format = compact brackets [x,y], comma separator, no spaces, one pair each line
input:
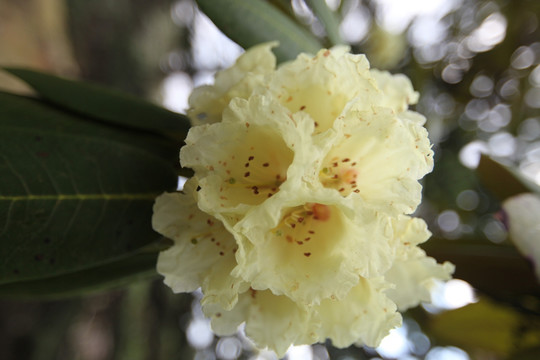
[307,254]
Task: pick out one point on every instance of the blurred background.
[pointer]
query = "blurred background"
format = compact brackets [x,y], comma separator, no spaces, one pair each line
[476,64]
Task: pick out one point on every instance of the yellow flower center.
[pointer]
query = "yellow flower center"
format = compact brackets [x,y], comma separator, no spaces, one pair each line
[308,228]
[256,168]
[340,174]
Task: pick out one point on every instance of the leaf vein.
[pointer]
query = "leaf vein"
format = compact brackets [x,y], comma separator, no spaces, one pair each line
[17,175]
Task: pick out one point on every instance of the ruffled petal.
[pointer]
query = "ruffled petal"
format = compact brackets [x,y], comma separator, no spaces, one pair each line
[413,273]
[415,277]
[203,250]
[207,102]
[271,321]
[397,90]
[378,159]
[299,243]
[244,160]
[323,85]
[365,315]
[408,232]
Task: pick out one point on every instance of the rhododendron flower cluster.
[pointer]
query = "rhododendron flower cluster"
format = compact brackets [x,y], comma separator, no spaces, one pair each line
[297,220]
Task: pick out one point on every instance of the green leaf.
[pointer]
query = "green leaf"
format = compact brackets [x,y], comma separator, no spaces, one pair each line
[103,277]
[74,193]
[502,180]
[255,21]
[328,18]
[104,104]
[487,327]
[497,270]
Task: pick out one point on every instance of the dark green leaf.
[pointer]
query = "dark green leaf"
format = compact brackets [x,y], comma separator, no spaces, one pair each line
[328,18]
[497,270]
[74,193]
[104,104]
[502,180]
[114,274]
[255,21]
[531,353]
[486,327]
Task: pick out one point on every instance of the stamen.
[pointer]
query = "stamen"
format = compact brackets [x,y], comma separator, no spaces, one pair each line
[321,212]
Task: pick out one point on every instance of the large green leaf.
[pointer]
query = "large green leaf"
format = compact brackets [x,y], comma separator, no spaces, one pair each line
[497,270]
[105,104]
[502,180]
[74,193]
[487,327]
[117,273]
[256,21]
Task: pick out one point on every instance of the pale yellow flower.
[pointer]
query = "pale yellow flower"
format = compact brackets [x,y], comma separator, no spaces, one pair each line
[364,316]
[203,251]
[207,102]
[324,85]
[299,243]
[244,159]
[413,274]
[378,158]
[274,322]
[398,92]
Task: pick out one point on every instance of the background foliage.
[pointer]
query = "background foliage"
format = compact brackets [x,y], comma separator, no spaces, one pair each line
[475,63]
